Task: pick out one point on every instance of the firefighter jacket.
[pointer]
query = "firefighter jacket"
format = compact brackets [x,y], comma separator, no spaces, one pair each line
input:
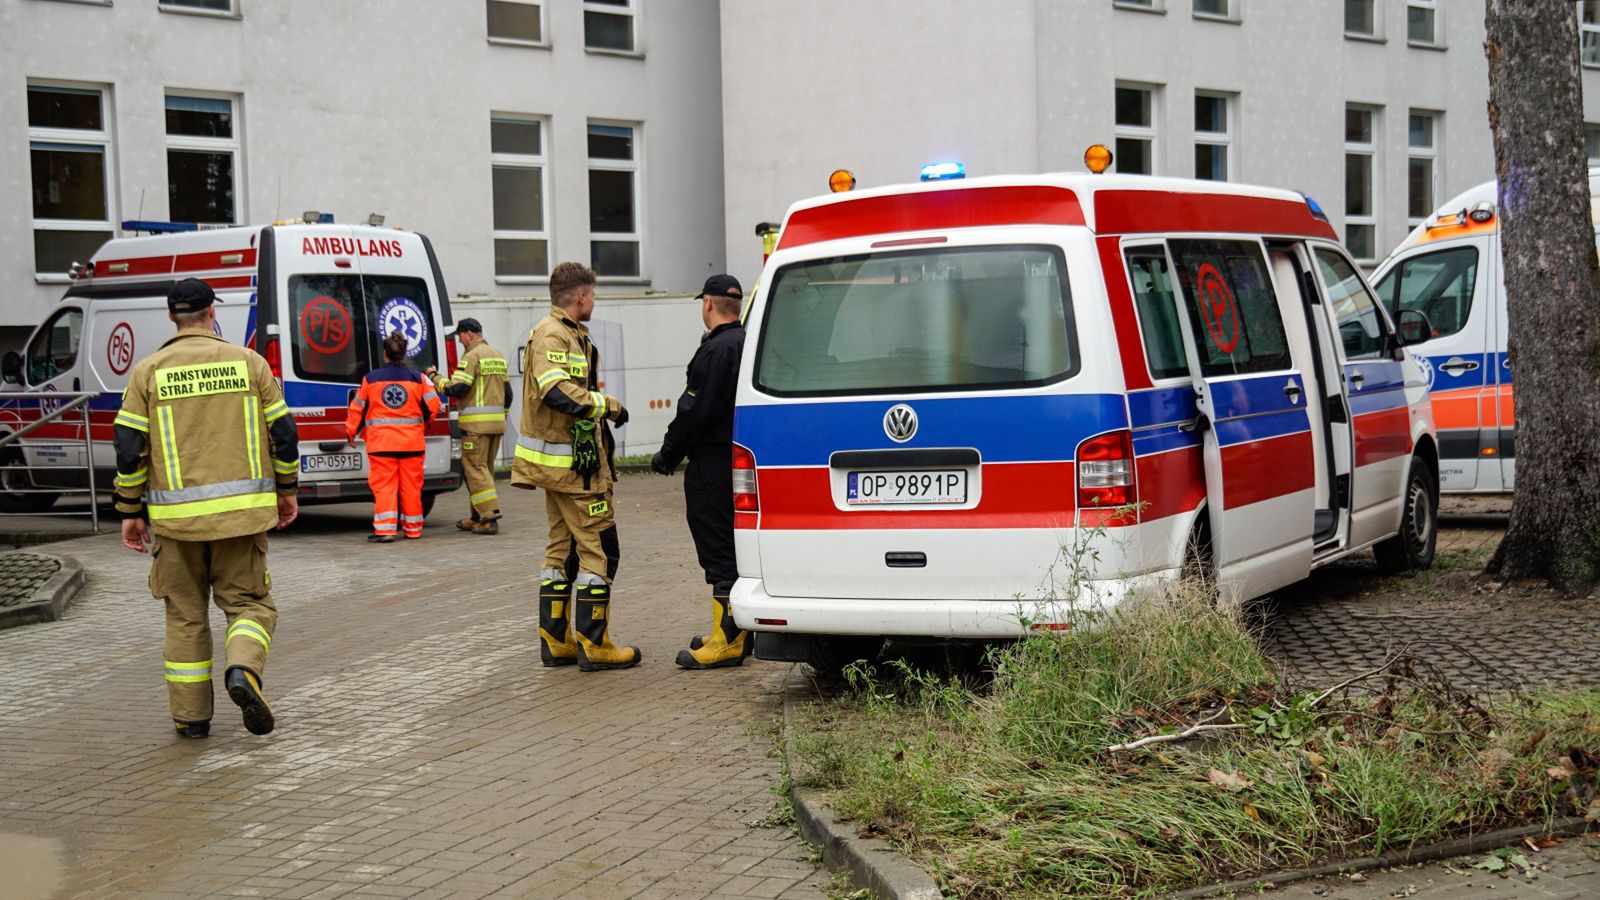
[480,387]
[703,426]
[560,385]
[204,441]
[392,407]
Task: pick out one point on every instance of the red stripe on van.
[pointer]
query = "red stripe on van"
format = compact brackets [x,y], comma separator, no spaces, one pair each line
[230,281]
[1015,495]
[143,265]
[1135,374]
[931,211]
[202,262]
[1142,212]
[1383,435]
[746,521]
[1170,483]
[1261,470]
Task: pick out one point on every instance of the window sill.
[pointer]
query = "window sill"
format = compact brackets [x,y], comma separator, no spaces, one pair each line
[86,2]
[1416,45]
[202,13]
[522,279]
[1365,38]
[1587,65]
[515,42]
[1220,20]
[622,54]
[1137,7]
[631,281]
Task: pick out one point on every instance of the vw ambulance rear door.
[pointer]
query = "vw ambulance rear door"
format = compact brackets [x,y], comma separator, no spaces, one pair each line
[1259,468]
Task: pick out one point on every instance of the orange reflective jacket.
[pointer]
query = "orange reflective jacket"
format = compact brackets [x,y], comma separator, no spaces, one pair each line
[392,407]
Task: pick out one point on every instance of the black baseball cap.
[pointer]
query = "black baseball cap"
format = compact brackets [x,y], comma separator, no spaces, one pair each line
[723,286]
[466,325]
[190,295]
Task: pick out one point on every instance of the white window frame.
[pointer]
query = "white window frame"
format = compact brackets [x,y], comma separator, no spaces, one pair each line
[632,12]
[538,161]
[544,29]
[1585,28]
[1159,7]
[1376,34]
[636,166]
[1433,8]
[1222,138]
[1368,149]
[176,6]
[1591,130]
[85,137]
[232,146]
[1429,153]
[1135,132]
[1230,12]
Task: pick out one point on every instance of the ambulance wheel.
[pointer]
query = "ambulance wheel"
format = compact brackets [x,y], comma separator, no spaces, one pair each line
[831,654]
[427,504]
[1412,549]
[14,484]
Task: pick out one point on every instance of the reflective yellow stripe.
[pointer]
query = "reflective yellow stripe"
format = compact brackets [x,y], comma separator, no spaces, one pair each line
[132,420]
[252,433]
[188,672]
[252,630]
[135,479]
[482,417]
[480,496]
[169,449]
[209,507]
[599,401]
[461,375]
[285,468]
[551,377]
[544,459]
[276,411]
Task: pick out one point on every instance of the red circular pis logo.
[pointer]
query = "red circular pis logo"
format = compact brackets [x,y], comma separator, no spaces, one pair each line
[1217,308]
[119,348]
[325,325]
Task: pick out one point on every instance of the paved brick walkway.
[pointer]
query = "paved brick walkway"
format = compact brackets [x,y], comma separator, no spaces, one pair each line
[421,751]
[21,574]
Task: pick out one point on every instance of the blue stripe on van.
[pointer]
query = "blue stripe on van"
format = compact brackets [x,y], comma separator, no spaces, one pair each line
[303,394]
[1160,406]
[1038,428]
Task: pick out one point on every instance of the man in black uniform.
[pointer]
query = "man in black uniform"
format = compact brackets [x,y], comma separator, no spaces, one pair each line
[703,431]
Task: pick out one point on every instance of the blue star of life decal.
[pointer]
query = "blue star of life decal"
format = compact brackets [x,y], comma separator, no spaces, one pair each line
[402,315]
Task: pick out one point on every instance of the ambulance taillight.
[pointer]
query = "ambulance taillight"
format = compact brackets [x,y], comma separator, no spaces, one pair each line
[744,481]
[273,351]
[1105,471]
[452,355]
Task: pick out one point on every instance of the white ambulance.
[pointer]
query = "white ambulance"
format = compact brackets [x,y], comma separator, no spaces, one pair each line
[1449,270]
[315,299]
[967,408]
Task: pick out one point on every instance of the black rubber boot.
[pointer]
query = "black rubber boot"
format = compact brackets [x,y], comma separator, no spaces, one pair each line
[244,689]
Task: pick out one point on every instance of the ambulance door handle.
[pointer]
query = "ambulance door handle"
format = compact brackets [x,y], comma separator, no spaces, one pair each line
[1198,424]
[1459,365]
[1292,391]
[1356,378]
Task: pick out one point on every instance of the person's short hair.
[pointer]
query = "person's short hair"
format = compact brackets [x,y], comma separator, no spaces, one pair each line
[189,319]
[566,279]
[394,347]
[727,306]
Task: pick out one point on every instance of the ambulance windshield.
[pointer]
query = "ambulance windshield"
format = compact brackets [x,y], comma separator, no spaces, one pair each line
[911,321]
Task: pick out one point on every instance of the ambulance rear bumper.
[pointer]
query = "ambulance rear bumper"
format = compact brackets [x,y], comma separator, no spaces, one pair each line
[756,610]
[351,490]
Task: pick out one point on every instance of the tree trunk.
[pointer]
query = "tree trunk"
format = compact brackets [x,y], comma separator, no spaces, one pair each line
[1552,284]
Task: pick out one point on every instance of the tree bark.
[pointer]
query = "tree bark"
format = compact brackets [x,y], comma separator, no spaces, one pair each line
[1552,281]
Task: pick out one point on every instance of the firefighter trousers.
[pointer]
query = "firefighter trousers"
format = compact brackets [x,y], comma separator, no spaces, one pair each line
[478,453]
[396,483]
[708,505]
[188,576]
[585,523]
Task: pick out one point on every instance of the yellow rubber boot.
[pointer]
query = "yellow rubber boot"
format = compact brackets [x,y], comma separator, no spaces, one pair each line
[727,645]
[556,647]
[595,650]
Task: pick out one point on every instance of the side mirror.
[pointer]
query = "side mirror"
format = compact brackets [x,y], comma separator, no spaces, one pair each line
[1414,327]
[11,367]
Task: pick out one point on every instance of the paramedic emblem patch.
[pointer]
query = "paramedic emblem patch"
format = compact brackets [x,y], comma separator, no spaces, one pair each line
[900,423]
[394,396]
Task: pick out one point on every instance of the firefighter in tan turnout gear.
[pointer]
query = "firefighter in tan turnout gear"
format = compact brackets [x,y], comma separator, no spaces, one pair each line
[480,387]
[565,447]
[207,450]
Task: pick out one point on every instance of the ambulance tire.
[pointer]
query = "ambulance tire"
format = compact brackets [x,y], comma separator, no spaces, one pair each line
[1412,549]
[13,478]
[427,504]
[1198,565]
[831,654]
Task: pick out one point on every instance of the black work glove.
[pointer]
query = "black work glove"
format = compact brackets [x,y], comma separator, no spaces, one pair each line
[622,417]
[659,465]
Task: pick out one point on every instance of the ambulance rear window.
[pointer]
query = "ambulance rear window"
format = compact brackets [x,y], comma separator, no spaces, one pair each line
[978,318]
[340,322]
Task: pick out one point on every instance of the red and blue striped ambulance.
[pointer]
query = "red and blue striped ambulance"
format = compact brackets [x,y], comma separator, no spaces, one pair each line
[968,407]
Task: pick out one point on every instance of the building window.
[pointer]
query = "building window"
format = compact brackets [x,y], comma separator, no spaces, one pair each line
[521,211]
[1213,9]
[1136,129]
[520,21]
[1589,32]
[1421,156]
[609,25]
[69,149]
[1422,25]
[614,199]
[223,7]
[202,160]
[1360,151]
[1361,18]
[1212,137]
[1591,143]
[1140,5]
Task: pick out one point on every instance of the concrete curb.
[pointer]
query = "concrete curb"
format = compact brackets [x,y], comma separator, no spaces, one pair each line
[51,599]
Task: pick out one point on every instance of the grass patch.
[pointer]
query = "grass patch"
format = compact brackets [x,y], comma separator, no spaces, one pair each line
[1010,791]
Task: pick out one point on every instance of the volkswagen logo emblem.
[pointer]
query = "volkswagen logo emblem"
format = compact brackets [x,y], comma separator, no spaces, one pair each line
[900,423]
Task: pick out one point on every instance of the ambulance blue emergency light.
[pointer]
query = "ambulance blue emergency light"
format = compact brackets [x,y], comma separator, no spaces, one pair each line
[943,171]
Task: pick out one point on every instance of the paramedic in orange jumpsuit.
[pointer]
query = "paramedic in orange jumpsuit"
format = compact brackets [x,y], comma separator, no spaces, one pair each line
[392,407]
